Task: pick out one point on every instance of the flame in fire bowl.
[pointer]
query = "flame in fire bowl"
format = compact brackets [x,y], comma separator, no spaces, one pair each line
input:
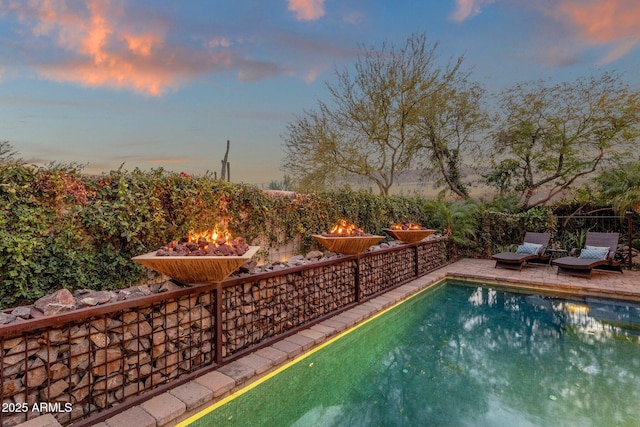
[195,269]
[409,236]
[348,245]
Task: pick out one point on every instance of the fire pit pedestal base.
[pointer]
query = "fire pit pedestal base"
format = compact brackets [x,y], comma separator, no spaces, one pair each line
[347,245]
[409,236]
[196,269]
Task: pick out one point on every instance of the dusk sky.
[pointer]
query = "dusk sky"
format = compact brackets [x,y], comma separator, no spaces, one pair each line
[164,83]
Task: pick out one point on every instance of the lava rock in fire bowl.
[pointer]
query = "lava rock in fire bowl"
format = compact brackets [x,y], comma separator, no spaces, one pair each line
[203,247]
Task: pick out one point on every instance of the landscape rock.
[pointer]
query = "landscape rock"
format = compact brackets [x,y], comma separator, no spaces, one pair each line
[6,318]
[62,300]
[59,302]
[22,312]
[314,255]
[248,266]
[168,286]
[134,292]
[90,298]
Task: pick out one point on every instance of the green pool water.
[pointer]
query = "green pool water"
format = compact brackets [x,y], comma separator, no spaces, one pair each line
[462,355]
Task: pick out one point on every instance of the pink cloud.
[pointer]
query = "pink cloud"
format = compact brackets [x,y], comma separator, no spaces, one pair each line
[104,53]
[102,48]
[109,44]
[602,22]
[610,24]
[142,44]
[466,9]
[307,10]
[219,42]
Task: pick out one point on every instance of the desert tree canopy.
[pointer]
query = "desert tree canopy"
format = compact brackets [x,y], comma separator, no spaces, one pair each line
[551,136]
[373,125]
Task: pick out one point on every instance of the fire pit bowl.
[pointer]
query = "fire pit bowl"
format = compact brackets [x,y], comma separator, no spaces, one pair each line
[347,245]
[195,269]
[409,236]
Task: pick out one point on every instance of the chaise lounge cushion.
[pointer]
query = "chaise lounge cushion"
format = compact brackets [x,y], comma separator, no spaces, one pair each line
[576,263]
[595,255]
[527,252]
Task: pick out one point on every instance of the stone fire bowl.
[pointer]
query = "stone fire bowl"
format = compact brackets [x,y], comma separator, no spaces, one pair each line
[196,269]
[409,236]
[347,245]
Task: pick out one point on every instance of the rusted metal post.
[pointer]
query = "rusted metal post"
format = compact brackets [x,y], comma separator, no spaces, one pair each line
[218,326]
[357,279]
[551,228]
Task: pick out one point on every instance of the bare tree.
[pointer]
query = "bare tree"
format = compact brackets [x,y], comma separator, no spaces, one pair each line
[370,127]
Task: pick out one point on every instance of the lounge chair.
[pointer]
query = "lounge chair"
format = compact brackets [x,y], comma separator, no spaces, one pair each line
[598,253]
[532,250]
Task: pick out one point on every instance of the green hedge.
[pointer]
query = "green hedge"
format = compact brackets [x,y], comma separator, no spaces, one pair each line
[61,228]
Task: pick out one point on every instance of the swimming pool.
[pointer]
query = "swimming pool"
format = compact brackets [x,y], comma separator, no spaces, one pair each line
[460,354]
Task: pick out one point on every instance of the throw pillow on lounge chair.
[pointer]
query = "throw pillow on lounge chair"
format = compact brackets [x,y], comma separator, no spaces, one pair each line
[605,249]
[599,248]
[594,252]
[528,248]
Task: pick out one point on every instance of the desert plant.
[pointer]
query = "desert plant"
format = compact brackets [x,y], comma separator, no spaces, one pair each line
[620,187]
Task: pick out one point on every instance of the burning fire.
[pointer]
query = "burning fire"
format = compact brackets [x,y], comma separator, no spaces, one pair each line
[211,242]
[214,236]
[345,229]
[407,226]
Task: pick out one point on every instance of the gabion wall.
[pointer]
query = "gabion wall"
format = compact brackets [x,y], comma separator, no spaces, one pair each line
[80,364]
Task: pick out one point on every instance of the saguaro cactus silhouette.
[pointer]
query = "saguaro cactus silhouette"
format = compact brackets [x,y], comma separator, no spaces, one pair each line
[226,166]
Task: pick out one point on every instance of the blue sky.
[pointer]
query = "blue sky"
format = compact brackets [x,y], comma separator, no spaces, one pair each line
[164,83]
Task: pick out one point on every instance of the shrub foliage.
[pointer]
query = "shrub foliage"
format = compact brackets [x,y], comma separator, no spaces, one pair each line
[61,228]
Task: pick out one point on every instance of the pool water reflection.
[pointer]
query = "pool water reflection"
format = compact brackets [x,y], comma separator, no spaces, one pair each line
[462,355]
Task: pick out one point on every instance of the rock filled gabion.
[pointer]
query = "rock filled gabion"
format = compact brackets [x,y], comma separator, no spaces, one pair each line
[431,256]
[203,247]
[384,270]
[97,362]
[258,310]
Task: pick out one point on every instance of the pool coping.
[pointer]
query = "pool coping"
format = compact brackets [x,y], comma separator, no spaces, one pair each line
[178,405]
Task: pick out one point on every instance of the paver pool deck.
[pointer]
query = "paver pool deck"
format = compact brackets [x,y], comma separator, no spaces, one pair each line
[180,403]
